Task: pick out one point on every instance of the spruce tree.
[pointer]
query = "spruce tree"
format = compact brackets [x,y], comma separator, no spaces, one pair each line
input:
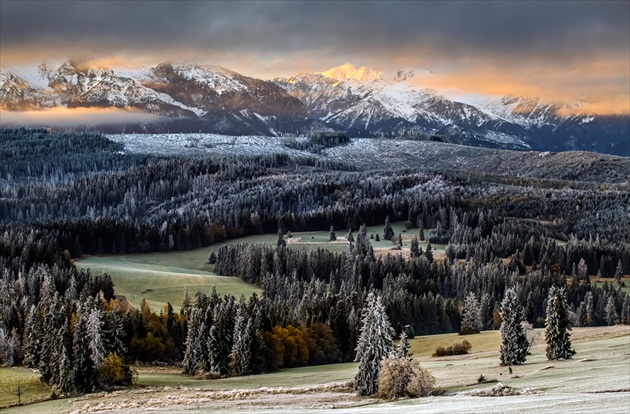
[610,312]
[375,343]
[388,232]
[514,343]
[83,367]
[414,249]
[193,354]
[581,314]
[402,349]
[332,236]
[95,335]
[32,334]
[66,372]
[429,252]
[590,318]
[214,353]
[239,354]
[619,272]
[471,317]
[557,326]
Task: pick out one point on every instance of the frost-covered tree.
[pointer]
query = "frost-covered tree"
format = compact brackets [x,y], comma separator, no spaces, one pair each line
[240,350]
[402,348]
[625,310]
[281,242]
[610,312]
[513,339]
[557,326]
[619,272]
[429,252]
[582,271]
[332,236]
[194,353]
[95,337]
[388,232]
[414,249]
[581,314]
[66,372]
[84,370]
[31,343]
[588,299]
[471,316]
[363,246]
[215,363]
[375,343]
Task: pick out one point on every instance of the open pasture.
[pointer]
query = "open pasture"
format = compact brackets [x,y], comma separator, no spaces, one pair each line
[595,380]
[161,277]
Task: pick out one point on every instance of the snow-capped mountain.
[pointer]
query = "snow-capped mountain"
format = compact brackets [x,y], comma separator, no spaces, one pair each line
[359,99]
[195,97]
[204,98]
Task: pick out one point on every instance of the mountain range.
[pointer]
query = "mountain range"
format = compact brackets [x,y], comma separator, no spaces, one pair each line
[204,98]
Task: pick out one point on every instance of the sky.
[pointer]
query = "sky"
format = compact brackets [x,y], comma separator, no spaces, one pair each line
[562,50]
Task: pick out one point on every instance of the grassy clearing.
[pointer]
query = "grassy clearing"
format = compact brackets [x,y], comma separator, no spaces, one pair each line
[32,388]
[295,377]
[160,277]
[139,277]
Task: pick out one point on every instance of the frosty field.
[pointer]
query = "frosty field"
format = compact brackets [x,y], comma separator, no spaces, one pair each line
[597,379]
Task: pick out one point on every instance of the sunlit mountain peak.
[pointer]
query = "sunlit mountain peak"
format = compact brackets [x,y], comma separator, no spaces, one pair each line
[349,71]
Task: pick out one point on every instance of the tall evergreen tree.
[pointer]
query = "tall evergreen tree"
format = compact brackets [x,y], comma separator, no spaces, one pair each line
[332,236]
[84,370]
[514,342]
[66,371]
[32,341]
[619,272]
[590,317]
[557,326]
[375,343]
[414,249]
[240,350]
[95,335]
[215,363]
[388,232]
[471,316]
[610,312]
[402,348]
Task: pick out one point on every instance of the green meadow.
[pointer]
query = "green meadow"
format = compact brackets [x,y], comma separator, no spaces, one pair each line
[161,277]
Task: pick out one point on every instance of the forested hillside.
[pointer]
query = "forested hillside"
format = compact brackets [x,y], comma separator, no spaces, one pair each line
[64,195]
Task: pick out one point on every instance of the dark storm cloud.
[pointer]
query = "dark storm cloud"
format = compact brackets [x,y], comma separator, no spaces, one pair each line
[560,29]
[554,49]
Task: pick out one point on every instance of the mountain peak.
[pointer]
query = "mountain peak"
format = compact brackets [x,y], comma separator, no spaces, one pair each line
[348,71]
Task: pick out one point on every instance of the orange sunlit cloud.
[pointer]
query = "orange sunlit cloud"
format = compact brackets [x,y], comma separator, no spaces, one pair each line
[76,117]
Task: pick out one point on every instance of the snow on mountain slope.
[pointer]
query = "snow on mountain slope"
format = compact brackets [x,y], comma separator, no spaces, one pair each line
[207,98]
[196,97]
[361,100]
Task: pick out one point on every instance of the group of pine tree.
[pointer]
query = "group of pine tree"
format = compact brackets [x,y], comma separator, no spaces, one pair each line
[503,262]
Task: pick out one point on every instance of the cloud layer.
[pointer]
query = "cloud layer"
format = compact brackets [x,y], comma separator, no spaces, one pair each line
[529,41]
[77,117]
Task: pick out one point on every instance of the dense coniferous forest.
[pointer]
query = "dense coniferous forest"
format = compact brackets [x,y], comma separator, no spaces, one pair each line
[63,195]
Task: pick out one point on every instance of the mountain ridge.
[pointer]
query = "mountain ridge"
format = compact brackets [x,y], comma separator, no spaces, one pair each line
[208,98]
